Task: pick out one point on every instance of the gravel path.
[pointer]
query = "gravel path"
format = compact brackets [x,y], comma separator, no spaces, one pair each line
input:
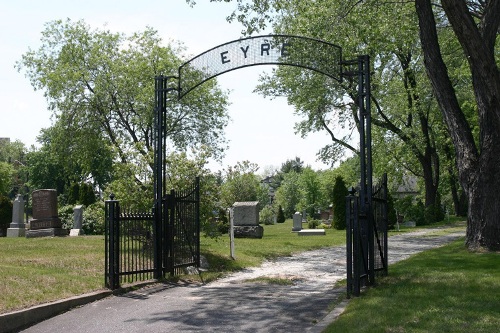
[236,303]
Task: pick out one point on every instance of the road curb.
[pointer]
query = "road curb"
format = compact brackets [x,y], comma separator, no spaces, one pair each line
[329,318]
[17,320]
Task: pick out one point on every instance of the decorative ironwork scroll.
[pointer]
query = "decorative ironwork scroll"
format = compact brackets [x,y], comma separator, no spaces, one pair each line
[305,52]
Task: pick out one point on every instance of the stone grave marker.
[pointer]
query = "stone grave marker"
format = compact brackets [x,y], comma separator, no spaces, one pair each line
[45,221]
[77,221]
[297,222]
[246,220]
[17,228]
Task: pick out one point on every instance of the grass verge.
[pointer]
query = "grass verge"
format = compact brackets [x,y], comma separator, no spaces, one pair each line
[40,270]
[443,290]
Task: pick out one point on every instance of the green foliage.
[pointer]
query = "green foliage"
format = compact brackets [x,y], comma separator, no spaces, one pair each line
[86,194]
[5,214]
[266,215]
[391,212]
[242,184]
[45,170]
[313,224]
[100,85]
[311,192]
[412,209]
[6,173]
[281,215]
[288,195]
[92,218]
[73,194]
[339,203]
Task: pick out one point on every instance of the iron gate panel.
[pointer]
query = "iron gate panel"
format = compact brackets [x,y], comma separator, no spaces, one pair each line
[129,255]
[182,218]
[366,238]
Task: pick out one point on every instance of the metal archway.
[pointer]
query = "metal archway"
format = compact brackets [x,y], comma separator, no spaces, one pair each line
[305,52]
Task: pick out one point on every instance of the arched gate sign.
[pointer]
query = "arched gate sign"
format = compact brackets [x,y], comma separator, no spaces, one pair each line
[309,53]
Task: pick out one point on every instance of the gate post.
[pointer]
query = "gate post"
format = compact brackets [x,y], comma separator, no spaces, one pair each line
[351,220]
[112,243]
[160,101]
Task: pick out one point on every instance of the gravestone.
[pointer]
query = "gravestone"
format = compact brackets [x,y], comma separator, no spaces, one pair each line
[17,228]
[77,221]
[245,217]
[304,216]
[297,222]
[45,221]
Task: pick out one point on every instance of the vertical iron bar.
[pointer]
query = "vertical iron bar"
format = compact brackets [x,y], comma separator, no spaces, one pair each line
[172,230]
[160,85]
[114,246]
[349,214]
[369,171]
[362,140]
[107,246]
[197,221]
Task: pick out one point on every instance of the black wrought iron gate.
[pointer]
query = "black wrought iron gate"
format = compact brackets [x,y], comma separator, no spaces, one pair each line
[138,248]
[366,238]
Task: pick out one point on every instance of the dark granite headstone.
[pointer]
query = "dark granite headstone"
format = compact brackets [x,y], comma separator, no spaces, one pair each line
[45,221]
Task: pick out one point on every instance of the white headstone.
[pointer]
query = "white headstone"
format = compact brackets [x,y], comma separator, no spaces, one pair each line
[77,221]
[297,222]
[17,228]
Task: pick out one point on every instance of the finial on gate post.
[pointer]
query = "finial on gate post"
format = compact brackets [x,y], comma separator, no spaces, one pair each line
[112,196]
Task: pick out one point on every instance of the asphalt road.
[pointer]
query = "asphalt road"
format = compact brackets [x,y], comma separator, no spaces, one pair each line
[235,303]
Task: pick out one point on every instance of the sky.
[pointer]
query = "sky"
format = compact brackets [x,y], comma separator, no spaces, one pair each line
[260,131]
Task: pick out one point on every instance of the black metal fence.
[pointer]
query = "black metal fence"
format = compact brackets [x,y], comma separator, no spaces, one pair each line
[129,255]
[136,249]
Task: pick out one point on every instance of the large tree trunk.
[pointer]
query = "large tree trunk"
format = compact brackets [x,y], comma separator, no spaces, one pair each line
[479,171]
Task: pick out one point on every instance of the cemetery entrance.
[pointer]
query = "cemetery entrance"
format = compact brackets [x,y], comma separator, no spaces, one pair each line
[157,235]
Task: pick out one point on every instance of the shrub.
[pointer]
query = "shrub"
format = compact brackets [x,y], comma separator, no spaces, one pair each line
[5,214]
[92,219]
[391,212]
[266,215]
[281,215]
[86,194]
[339,203]
[313,224]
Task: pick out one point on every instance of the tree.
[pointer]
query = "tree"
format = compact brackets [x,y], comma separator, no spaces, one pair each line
[242,184]
[310,188]
[475,25]
[281,215]
[102,84]
[339,203]
[288,195]
[6,172]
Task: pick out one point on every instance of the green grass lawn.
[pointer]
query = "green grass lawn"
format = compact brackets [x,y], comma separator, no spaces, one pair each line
[39,270]
[443,290]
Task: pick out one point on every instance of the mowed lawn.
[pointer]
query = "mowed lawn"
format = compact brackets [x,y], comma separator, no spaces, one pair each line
[448,289]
